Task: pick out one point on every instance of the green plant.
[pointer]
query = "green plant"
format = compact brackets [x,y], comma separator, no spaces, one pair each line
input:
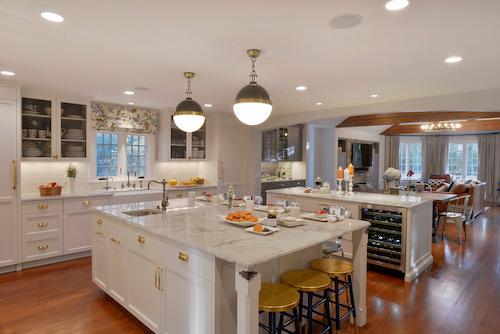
[71,171]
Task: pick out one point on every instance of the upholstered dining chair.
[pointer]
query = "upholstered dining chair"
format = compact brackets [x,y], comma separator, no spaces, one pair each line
[458,212]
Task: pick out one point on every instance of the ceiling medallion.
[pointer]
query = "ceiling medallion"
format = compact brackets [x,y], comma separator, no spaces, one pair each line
[252,105]
[441,126]
[188,115]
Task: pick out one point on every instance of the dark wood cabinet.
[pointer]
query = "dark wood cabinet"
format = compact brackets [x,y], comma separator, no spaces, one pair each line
[280,185]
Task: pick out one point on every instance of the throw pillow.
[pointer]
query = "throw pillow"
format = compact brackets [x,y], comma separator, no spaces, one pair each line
[444,188]
[435,183]
[458,187]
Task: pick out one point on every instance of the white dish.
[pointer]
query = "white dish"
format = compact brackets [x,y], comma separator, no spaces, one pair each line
[243,224]
[265,208]
[313,216]
[290,221]
[204,198]
[267,230]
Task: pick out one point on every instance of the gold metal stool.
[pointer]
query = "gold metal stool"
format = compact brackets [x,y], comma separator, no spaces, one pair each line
[279,298]
[335,267]
[311,282]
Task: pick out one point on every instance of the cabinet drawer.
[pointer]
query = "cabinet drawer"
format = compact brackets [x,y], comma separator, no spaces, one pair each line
[39,224]
[186,259]
[84,204]
[39,249]
[144,244]
[34,207]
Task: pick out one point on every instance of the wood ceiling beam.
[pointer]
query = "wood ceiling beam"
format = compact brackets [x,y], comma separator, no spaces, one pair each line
[468,126]
[412,117]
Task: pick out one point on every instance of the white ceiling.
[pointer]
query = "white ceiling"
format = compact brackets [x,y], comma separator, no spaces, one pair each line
[105,47]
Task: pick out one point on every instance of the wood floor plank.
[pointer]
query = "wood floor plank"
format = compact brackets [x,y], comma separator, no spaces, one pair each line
[459,294]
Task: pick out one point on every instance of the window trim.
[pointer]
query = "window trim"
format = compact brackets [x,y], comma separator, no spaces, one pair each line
[464,141]
[411,140]
[122,155]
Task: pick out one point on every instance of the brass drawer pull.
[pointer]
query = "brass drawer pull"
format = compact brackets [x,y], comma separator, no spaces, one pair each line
[99,222]
[183,257]
[99,233]
[42,224]
[116,241]
[87,203]
[14,174]
[141,239]
[43,247]
[43,206]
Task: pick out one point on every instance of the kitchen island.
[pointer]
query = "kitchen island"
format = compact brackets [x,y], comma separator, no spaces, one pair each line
[186,271]
[400,236]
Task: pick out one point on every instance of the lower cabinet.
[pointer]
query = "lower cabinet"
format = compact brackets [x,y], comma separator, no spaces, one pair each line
[169,288]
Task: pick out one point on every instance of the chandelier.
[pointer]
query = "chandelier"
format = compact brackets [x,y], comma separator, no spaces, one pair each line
[188,115]
[441,126]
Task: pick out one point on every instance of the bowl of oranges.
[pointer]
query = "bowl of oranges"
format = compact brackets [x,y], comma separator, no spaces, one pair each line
[243,218]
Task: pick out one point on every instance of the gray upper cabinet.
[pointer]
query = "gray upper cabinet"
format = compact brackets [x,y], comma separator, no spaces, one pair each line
[282,144]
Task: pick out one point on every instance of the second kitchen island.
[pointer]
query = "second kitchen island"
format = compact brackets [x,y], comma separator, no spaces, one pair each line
[400,235]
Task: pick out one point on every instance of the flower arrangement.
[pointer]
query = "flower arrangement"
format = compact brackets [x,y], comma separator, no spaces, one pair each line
[392,174]
[71,171]
[409,175]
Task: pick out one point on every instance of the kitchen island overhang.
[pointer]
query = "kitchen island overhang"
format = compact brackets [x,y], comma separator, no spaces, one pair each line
[215,264]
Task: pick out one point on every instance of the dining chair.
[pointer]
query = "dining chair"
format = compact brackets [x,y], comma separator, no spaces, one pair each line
[458,212]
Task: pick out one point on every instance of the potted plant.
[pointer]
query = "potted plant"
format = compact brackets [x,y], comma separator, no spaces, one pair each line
[391,178]
[411,187]
[71,174]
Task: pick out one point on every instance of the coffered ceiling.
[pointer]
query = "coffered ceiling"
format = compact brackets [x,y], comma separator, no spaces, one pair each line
[106,47]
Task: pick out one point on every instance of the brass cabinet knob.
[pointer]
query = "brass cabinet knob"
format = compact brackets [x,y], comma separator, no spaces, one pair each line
[87,203]
[55,156]
[99,222]
[141,239]
[116,241]
[99,233]
[183,257]
[42,224]
[43,206]
[43,247]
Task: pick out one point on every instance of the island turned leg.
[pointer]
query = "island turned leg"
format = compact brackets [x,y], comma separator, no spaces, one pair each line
[359,244]
[247,284]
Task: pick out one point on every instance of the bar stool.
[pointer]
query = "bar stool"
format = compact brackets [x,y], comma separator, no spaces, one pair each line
[335,267]
[311,282]
[279,298]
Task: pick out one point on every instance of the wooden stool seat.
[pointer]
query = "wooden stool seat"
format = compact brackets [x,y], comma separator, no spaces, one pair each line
[277,298]
[332,266]
[306,280]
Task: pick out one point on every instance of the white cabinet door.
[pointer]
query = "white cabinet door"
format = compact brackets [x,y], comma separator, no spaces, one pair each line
[77,234]
[144,299]
[8,183]
[118,270]
[100,260]
[231,170]
[189,307]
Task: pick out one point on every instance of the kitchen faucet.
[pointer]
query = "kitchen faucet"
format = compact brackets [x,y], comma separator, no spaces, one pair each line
[128,178]
[164,201]
[106,187]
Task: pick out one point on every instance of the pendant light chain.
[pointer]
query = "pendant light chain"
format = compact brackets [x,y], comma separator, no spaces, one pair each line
[253,74]
[188,91]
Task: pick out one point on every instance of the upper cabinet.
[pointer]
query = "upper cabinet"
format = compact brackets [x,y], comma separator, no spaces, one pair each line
[282,144]
[175,144]
[54,128]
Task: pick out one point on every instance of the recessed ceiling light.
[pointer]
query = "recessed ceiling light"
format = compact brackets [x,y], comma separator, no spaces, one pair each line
[128,92]
[52,17]
[453,59]
[301,88]
[7,73]
[396,4]
[208,105]
[319,103]
[346,21]
[374,95]
[131,103]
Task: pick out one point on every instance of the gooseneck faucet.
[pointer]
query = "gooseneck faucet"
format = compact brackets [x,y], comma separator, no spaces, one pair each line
[164,201]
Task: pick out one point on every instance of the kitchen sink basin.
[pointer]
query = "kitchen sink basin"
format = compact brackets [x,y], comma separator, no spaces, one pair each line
[140,213]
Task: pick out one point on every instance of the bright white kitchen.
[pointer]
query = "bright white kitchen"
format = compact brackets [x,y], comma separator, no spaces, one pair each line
[219,167]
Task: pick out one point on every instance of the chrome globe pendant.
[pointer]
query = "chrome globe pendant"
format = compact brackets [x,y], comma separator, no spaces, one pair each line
[188,115]
[252,105]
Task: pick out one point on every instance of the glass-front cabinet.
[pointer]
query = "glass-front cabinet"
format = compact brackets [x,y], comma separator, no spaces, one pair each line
[53,128]
[187,146]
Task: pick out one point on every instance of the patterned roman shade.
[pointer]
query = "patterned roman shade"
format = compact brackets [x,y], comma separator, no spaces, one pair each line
[112,117]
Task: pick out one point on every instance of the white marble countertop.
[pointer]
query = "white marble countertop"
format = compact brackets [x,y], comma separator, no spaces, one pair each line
[203,229]
[101,192]
[400,201]
[280,180]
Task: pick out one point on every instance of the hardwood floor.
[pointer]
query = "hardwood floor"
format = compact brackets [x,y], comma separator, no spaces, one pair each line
[459,294]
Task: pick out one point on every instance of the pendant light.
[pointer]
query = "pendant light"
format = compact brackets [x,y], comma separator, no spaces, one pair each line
[188,115]
[252,105]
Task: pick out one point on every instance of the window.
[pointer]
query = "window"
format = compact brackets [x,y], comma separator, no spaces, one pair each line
[463,159]
[410,157]
[118,153]
[107,154]
[136,155]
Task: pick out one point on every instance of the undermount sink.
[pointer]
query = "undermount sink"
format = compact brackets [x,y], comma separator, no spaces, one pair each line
[140,213]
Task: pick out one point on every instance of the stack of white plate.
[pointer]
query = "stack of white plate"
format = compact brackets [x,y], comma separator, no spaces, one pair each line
[75,134]
[74,151]
[30,149]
